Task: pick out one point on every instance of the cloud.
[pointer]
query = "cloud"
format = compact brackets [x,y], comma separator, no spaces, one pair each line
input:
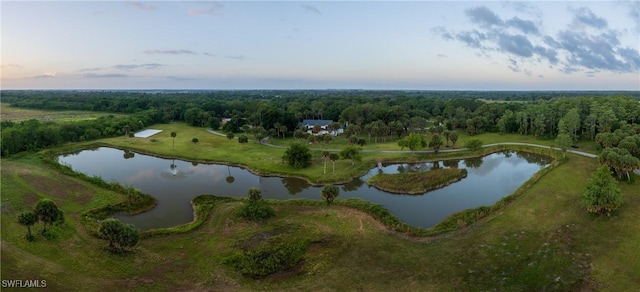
[518,45]
[179,78]
[212,9]
[597,52]
[526,26]
[142,6]
[484,16]
[442,32]
[235,57]
[128,67]
[311,9]
[472,38]
[523,7]
[573,49]
[170,52]
[440,56]
[46,75]
[634,13]
[11,66]
[108,75]
[209,54]
[584,16]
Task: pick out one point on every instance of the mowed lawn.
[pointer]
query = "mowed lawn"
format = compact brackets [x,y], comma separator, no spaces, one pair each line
[267,160]
[391,143]
[542,241]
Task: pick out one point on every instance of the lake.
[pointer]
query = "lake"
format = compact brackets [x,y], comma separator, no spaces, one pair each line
[175,182]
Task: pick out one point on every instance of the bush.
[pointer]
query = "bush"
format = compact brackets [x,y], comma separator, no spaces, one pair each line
[602,194]
[268,258]
[473,144]
[297,155]
[256,210]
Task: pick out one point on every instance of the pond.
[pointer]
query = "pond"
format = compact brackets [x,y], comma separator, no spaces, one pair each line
[175,182]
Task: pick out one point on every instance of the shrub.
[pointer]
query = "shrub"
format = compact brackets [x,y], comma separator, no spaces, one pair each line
[268,258]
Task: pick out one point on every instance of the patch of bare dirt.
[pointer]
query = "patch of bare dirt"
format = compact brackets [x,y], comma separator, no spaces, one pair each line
[60,187]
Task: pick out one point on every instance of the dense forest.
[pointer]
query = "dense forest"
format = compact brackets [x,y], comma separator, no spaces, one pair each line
[606,117]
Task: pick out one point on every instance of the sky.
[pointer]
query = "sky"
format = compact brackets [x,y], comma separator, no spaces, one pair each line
[378,45]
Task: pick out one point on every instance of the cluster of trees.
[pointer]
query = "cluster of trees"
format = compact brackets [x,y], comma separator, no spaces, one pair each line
[378,114]
[621,149]
[46,211]
[34,135]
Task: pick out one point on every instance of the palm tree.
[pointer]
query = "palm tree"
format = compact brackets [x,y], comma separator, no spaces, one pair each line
[230,179]
[325,156]
[47,212]
[173,137]
[333,158]
[329,193]
[126,130]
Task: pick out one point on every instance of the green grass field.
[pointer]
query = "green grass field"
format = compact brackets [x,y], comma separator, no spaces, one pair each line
[9,113]
[267,160]
[542,241]
[391,143]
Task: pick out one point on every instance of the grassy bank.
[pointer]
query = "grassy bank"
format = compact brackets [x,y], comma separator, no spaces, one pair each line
[543,240]
[15,114]
[417,182]
[267,161]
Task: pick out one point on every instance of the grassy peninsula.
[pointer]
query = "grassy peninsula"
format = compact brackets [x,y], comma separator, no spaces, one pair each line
[417,182]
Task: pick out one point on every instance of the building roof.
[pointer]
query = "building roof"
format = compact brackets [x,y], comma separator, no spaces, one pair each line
[316,122]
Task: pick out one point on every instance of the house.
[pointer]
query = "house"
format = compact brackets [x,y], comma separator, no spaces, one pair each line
[324,127]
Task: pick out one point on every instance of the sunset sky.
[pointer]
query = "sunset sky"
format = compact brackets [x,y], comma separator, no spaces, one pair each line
[419,45]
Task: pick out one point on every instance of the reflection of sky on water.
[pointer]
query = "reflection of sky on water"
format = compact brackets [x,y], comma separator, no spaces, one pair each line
[491,178]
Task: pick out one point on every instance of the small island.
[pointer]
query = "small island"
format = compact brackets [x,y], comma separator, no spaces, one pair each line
[417,182]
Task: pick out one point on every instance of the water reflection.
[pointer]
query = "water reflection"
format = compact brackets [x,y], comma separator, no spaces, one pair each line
[175,182]
[473,162]
[230,179]
[352,185]
[128,154]
[294,185]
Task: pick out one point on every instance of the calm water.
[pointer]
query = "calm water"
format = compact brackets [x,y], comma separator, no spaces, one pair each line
[175,182]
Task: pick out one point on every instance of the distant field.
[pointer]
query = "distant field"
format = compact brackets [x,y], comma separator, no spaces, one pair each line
[9,113]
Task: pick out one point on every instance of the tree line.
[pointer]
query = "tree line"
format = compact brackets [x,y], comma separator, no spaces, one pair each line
[380,115]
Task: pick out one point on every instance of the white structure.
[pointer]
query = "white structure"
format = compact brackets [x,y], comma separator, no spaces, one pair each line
[146,133]
[324,127]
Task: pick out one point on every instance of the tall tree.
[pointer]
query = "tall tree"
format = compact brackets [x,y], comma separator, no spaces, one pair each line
[435,143]
[564,141]
[412,141]
[602,194]
[47,211]
[28,219]
[325,156]
[173,137]
[454,138]
[571,122]
[297,155]
[333,158]
[126,130]
[351,152]
[329,193]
